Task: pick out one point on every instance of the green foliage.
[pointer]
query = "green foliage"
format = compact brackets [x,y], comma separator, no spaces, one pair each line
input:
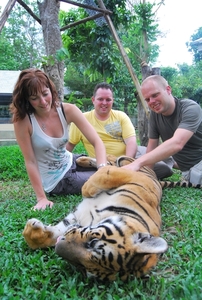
[124,98]
[77,79]
[93,46]
[23,39]
[50,60]
[169,73]
[41,274]
[120,13]
[79,149]
[186,81]
[7,59]
[95,57]
[142,34]
[80,103]
[197,55]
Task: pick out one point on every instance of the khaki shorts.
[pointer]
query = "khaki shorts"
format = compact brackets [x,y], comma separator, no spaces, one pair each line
[194,175]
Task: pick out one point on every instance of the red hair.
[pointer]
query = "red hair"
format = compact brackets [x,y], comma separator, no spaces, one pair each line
[30,82]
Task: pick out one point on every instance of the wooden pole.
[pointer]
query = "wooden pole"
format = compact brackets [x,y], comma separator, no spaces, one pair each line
[97,9]
[81,21]
[6,13]
[125,57]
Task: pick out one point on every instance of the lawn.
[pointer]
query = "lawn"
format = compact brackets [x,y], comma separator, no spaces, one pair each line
[41,274]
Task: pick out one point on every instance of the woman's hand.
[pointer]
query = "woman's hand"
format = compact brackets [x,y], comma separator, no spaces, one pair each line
[42,204]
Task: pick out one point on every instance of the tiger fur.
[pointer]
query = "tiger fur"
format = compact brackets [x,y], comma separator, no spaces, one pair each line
[115,230]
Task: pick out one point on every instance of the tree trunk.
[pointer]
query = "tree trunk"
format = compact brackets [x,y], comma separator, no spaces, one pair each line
[142,124]
[142,117]
[49,11]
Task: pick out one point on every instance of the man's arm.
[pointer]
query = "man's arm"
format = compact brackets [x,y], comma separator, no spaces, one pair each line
[131,146]
[128,134]
[163,151]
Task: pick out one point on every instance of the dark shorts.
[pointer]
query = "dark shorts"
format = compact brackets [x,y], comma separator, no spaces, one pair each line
[74,179]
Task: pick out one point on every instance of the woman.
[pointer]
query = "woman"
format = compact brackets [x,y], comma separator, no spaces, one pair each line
[41,129]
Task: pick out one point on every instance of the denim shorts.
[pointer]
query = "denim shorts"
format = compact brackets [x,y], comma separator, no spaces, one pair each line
[74,179]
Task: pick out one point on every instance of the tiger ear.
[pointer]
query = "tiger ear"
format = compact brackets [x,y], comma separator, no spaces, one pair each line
[124,160]
[145,243]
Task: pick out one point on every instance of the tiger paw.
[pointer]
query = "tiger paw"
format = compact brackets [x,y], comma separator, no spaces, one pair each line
[86,162]
[38,235]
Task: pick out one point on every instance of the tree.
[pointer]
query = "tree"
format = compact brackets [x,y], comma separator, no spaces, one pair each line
[103,61]
[197,55]
[49,10]
[51,31]
[7,57]
[142,34]
[23,37]
[140,41]
[185,81]
[92,43]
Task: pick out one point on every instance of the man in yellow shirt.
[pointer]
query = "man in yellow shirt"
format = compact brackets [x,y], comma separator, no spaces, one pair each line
[114,128]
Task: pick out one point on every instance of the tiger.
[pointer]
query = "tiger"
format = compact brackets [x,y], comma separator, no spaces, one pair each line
[115,230]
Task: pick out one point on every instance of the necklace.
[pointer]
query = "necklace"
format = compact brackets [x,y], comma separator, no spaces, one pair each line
[42,122]
[43,126]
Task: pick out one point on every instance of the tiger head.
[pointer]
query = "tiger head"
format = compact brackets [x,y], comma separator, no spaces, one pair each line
[110,249]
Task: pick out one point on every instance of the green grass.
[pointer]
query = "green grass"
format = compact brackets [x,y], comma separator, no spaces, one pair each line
[41,274]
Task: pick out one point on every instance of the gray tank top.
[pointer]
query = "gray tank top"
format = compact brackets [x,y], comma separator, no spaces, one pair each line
[51,154]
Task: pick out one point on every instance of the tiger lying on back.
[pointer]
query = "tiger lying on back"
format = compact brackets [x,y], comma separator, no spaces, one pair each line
[114,230]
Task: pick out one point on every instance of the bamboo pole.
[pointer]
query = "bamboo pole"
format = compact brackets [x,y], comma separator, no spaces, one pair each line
[81,21]
[6,13]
